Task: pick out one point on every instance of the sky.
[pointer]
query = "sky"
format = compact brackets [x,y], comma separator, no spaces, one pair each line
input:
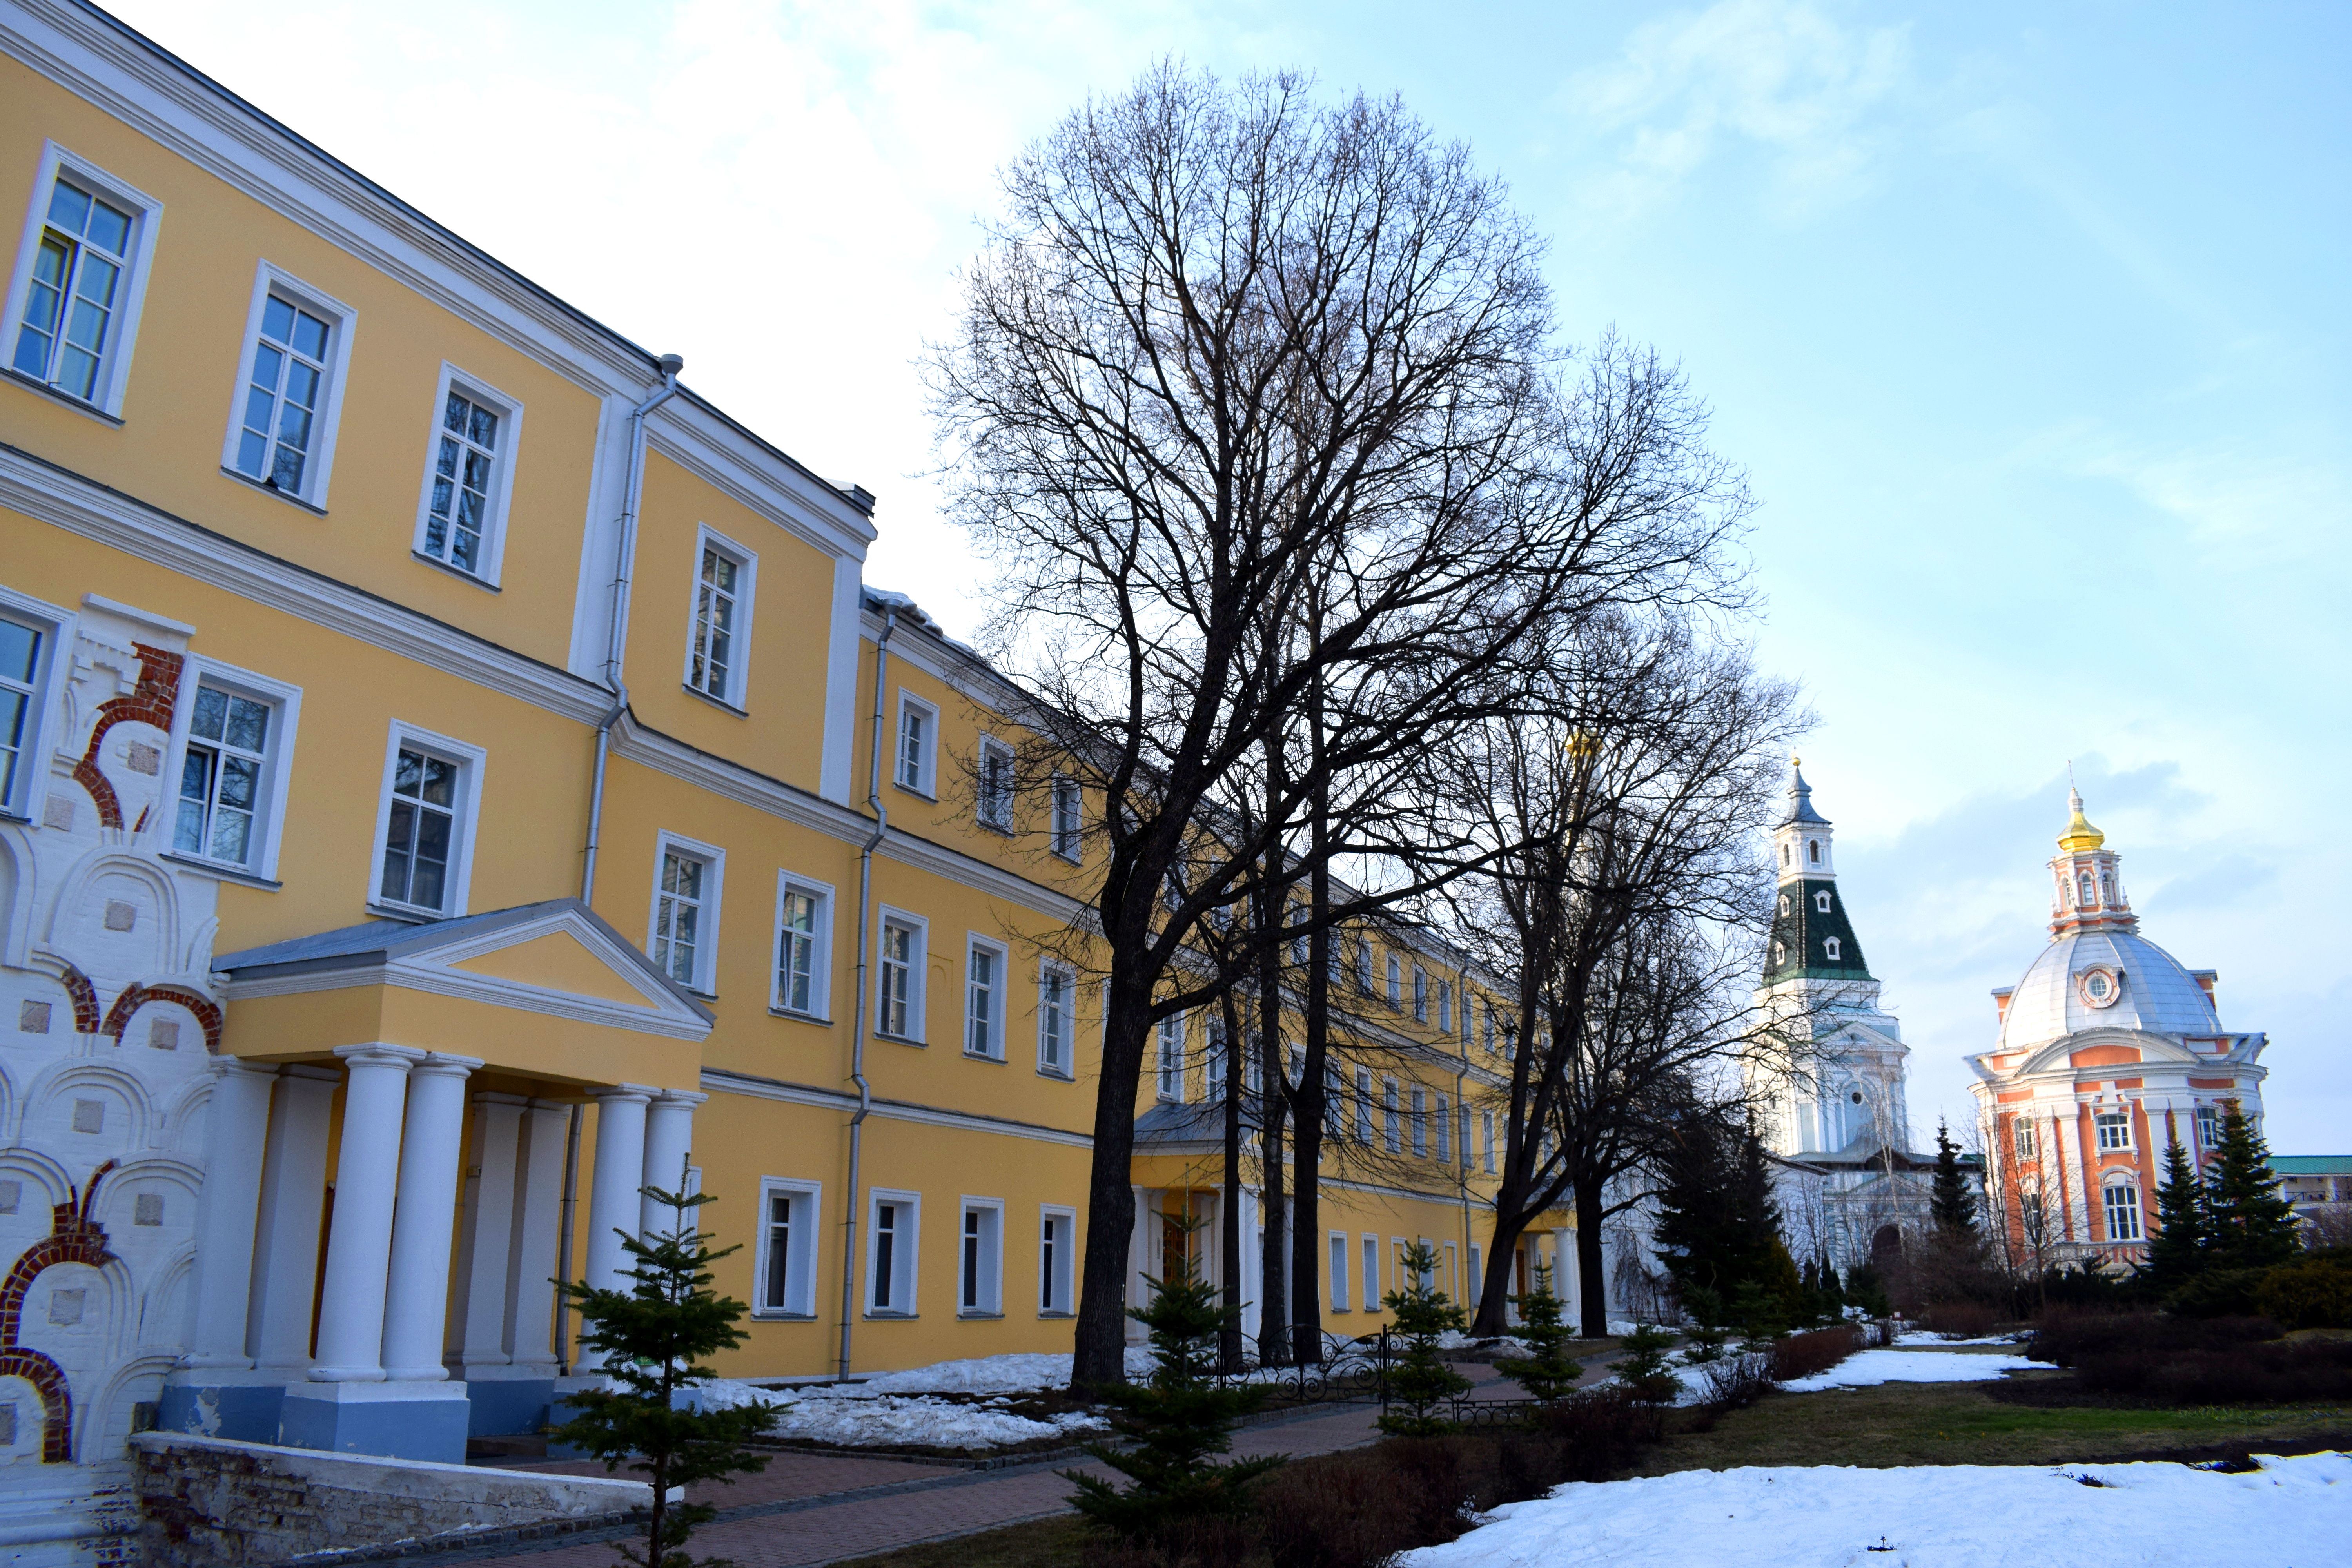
[2029,321]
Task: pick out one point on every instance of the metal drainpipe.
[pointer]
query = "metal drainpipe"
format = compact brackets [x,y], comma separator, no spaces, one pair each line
[857,1008]
[563,1241]
[623,550]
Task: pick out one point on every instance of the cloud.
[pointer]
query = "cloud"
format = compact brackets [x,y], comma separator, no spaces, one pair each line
[1783,77]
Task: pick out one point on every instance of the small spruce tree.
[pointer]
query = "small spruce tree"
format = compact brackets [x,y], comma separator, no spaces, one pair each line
[1642,1368]
[1174,1423]
[1547,1373]
[2247,1225]
[1710,1324]
[654,1336]
[2177,1251]
[1950,1201]
[1421,1380]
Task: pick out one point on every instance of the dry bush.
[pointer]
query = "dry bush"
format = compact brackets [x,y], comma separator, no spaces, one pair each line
[2245,1374]
[1960,1320]
[2313,1292]
[1802,1355]
[1737,1381]
[2062,1338]
[1358,1509]
[1589,1436]
[1220,1541]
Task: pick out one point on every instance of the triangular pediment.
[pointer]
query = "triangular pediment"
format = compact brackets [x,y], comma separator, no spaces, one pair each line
[558,961]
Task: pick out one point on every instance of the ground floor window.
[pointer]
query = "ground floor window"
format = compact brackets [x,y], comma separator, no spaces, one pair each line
[1057,1261]
[1339,1271]
[787,1263]
[2123,1212]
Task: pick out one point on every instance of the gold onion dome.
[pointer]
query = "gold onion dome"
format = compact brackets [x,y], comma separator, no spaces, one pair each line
[2079,836]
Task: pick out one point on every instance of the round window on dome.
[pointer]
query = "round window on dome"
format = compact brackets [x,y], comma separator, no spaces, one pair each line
[2101,985]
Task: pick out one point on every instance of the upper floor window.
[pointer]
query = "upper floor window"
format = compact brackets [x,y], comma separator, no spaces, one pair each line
[2209,1127]
[724,576]
[1391,1130]
[684,941]
[918,724]
[1444,1007]
[1055,993]
[898,980]
[803,935]
[1813,850]
[1069,823]
[995,785]
[426,822]
[231,741]
[1420,995]
[75,302]
[290,387]
[1421,1121]
[29,635]
[1172,1056]
[1821,902]
[2022,1133]
[1441,1124]
[984,1000]
[1363,1107]
[1396,982]
[2114,1130]
[466,482]
[1830,949]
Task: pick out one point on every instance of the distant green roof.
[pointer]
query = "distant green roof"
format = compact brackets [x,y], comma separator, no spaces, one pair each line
[1802,932]
[2312,1164]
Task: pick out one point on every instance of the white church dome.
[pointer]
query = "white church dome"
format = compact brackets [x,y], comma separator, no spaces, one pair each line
[2154,992]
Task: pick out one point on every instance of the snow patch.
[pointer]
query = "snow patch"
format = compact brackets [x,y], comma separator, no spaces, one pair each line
[2291,1513]
[1866,1369]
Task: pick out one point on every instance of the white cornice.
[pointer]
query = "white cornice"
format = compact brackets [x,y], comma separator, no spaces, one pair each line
[688,434]
[721,1082]
[467,987]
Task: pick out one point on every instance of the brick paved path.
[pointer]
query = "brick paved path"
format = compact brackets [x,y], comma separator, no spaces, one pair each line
[809,1510]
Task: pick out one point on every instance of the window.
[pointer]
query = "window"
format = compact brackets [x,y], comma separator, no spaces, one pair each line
[893,1225]
[1784,898]
[1392,1135]
[1339,1271]
[1813,850]
[1213,1052]
[1463,1142]
[289,388]
[2114,1130]
[1363,1107]
[983,1000]
[2022,1132]
[1370,1297]
[426,822]
[995,785]
[468,474]
[30,634]
[1069,823]
[1830,949]
[684,941]
[79,278]
[1364,966]
[232,736]
[1420,995]
[1441,1124]
[980,1272]
[803,945]
[1486,1140]
[919,725]
[2122,1200]
[1055,993]
[1490,1028]
[1421,1121]
[898,1006]
[724,578]
[1821,902]
[1444,1008]
[1058,1254]
[786,1264]
[1779,952]
[1172,1056]
[2209,1127]
[1396,982]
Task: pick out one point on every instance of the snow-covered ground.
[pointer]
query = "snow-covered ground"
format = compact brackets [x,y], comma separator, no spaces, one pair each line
[1865,1368]
[902,1407]
[1921,1337]
[2291,1513]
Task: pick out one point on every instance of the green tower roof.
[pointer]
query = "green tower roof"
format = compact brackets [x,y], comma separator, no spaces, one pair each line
[1805,935]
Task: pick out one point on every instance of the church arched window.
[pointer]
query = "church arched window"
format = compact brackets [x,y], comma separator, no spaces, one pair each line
[1784,898]
[2107,887]
[1784,854]
[1779,952]
[2085,881]
[1813,847]
[1831,947]
[1821,903]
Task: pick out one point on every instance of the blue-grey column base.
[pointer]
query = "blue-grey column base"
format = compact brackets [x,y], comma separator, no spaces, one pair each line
[398,1421]
[508,1406]
[240,1412]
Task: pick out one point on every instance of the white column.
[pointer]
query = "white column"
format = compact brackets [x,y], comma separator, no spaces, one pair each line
[238,1134]
[293,1202]
[669,1142]
[527,1336]
[477,1326]
[1253,1268]
[613,1203]
[358,1252]
[416,1298]
[1563,1269]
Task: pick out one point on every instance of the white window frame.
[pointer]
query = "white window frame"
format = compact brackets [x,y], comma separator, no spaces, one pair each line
[1365,1130]
[1419,1112]
[1830,950]
[1067,802]
[821,950]
[1066,1068]
[918,974]
[1364,965]
[285,703]
[1057,1275]
[1368,1289]
[1164,1071]
[1420,995]
[714,881]
[2117,1122]
[905,1253]
[1391,1131]
[999,993]
[2109,1210]
[928,787]
[2025,1140]
[805,1258]
[1396,981]
[1487,1141]
[1339,1248]
[1444,1007]
[983,1297]
[342,321]
[139,259]
[472,762]
[1441,1124]
[747,598]
[2209,1140]
[1464,1121]
[475,390]
[1822,900]
[993,793]
[38,742]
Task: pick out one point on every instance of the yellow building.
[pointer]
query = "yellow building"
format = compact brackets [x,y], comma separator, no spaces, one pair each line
[442,763]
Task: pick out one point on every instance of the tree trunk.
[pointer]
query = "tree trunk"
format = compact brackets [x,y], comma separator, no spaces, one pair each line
[1273,1298]
[1229,1235]
[1591,1277]
[1099,1342]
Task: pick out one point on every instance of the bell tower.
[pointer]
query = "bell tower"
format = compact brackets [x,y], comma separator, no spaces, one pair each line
[2087,882]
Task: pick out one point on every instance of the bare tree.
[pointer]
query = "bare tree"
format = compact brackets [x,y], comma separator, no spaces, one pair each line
[1233,361]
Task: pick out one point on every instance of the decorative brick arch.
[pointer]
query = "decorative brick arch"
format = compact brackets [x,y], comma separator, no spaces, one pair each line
[152,702]
[118,1017]
[85,999]
[74,1238]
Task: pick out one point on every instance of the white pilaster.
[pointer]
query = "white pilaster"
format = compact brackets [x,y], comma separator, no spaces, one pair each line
[1563,1267]
[417,1295]
[613,1205]
[293,1203]
[530,1253]
[478,1325]
[359,1253]
[669,1141]
[239,1133]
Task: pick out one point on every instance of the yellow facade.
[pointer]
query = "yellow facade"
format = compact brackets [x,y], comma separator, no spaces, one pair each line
[321,601]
